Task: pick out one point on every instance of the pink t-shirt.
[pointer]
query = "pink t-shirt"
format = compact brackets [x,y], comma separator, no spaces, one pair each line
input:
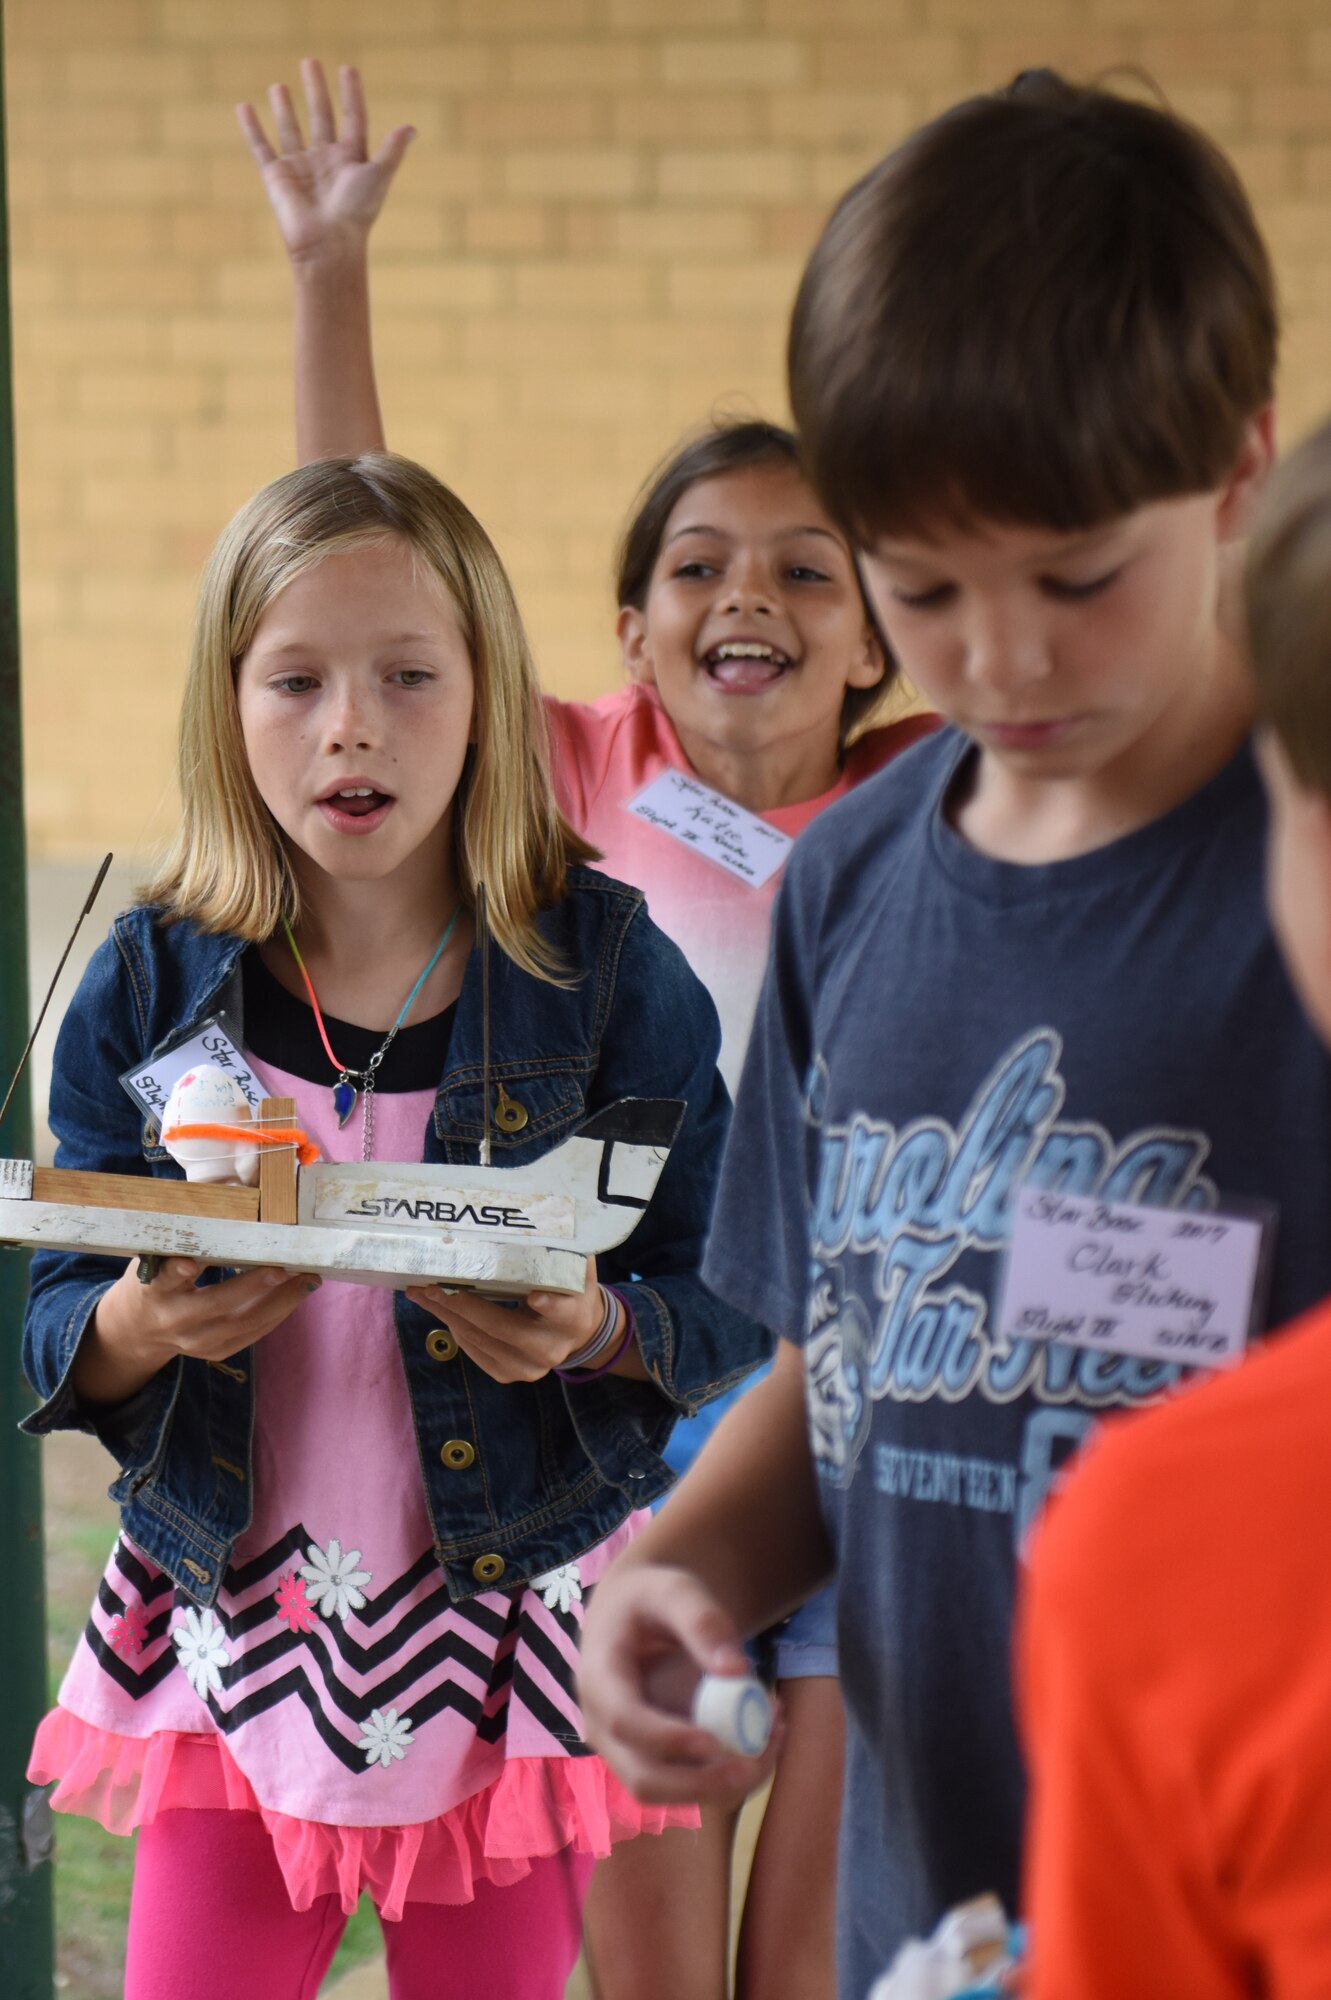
[604,753]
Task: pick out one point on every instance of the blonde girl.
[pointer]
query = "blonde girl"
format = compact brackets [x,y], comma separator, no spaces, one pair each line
[333,1647]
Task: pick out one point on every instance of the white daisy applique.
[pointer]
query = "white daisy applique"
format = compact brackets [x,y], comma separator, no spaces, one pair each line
[334,1579]
[202,1651]
[386,1736]
[560,1587]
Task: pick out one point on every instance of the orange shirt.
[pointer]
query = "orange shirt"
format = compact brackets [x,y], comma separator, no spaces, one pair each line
[1175,1675]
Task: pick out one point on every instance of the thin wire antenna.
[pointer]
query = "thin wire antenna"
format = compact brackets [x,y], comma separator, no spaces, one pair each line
[483,919]
[41,1016]
[208,1159]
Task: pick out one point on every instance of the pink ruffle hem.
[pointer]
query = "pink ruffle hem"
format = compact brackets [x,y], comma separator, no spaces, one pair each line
[537,1807]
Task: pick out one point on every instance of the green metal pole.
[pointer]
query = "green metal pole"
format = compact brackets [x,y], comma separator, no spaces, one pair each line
[26,1930]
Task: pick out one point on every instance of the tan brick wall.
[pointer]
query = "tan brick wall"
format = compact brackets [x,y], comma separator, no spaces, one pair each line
[594,241]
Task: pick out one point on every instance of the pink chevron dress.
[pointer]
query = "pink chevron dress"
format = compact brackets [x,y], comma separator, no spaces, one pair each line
[391,1740]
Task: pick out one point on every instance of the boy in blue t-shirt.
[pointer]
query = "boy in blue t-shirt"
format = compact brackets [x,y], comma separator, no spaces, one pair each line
[1031,363]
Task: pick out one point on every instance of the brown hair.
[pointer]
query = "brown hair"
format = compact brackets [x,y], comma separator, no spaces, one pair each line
[1288,593]
[228,868]
[1048,307]
[729,445]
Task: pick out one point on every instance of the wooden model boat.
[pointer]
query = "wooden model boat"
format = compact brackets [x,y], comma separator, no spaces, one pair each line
[503,1231]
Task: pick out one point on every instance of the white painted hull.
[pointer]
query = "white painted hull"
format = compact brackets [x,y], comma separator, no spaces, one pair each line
[376,1256]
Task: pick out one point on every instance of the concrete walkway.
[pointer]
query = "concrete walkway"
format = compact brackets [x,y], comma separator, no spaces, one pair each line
[365,1982]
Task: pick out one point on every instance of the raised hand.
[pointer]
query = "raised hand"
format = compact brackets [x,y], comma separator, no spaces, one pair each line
[325,193]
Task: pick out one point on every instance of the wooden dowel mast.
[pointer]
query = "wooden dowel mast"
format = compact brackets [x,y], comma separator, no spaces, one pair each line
[277,1165]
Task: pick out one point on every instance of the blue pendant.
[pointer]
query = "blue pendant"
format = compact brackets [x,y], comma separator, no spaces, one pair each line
[344,1100]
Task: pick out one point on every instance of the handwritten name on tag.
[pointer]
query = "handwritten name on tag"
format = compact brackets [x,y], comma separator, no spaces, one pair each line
[150,1085]
[712,825]
[1164,1284]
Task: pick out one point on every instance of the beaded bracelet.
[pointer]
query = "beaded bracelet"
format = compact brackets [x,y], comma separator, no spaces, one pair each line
[575,1371]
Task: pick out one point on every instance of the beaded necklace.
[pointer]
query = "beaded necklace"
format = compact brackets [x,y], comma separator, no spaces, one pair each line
[345,1091]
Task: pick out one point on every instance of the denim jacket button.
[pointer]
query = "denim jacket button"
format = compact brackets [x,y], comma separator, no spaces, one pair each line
[440,1345]
[510,1116]
[488,1569]
[457,1454]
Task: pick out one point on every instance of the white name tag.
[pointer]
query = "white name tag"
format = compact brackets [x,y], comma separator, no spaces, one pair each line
[1165,1284]
[712,825]
[150,1085]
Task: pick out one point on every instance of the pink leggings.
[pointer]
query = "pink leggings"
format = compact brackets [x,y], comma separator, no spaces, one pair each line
[210,1919]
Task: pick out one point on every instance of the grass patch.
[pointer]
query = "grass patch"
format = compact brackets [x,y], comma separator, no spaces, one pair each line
[92,1877]
[82,1552]
[92,1881]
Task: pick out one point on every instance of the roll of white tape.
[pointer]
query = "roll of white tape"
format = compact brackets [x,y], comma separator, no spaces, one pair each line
[735,1710]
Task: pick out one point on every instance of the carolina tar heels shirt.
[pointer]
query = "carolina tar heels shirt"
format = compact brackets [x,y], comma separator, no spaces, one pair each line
[936,1029]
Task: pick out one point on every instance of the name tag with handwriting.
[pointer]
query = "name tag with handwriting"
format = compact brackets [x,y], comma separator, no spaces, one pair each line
[713,825]
[1164,1284]
[151,1083]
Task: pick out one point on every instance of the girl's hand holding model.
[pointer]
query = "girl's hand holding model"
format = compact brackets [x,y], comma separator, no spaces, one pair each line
[138,1328]
[523,1343]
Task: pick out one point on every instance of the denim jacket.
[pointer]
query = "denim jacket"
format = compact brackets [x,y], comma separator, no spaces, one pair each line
[557,1465]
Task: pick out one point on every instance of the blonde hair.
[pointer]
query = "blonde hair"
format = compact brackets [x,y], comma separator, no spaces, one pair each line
[1288,592]
[228,868]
